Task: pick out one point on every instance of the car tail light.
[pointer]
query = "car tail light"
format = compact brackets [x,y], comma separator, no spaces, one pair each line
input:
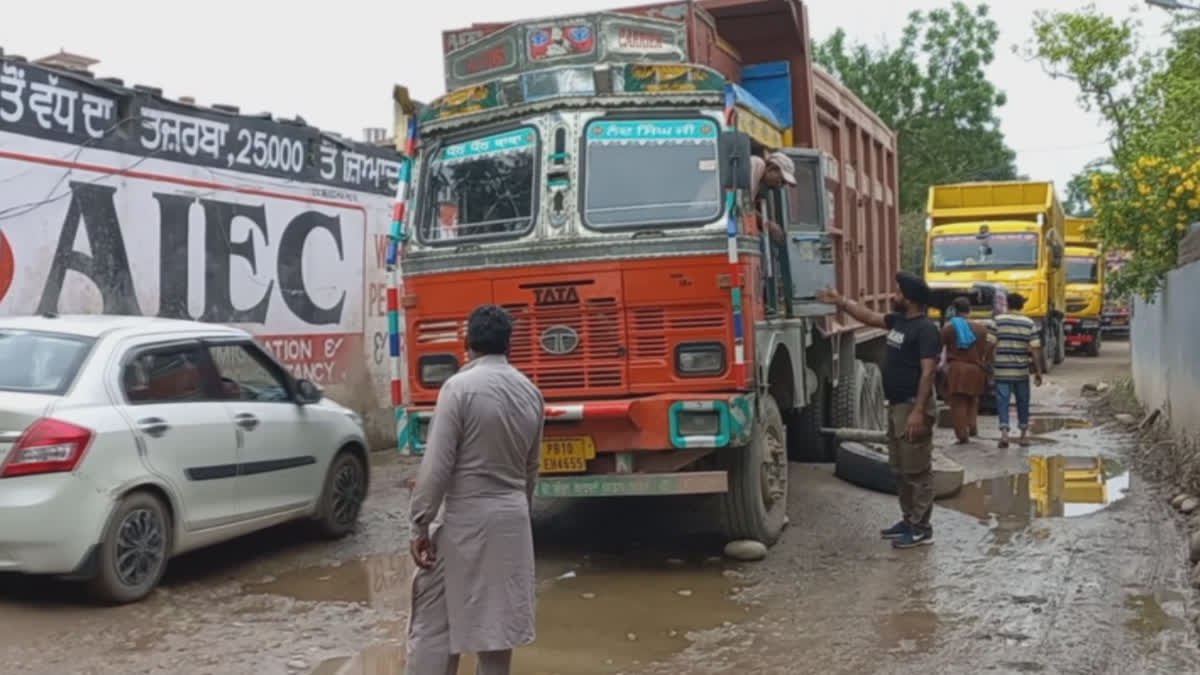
[47,446]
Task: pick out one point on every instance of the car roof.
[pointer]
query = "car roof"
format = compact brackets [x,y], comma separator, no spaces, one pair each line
[100,325]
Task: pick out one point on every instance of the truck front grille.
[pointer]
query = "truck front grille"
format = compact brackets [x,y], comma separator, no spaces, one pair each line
[596,364]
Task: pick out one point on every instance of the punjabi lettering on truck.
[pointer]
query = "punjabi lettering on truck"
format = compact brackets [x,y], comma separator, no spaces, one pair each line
[590,174]
[1085,288]
[1010,232]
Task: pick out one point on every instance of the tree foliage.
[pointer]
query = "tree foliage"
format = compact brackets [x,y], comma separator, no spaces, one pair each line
[932,89]
[1145,194]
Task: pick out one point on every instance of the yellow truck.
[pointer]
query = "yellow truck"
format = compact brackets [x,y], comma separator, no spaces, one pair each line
[1010,233]
[1085,288]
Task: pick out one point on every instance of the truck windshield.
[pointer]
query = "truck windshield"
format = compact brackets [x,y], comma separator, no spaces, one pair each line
[998,251]
[1082,270]
[650,172]
[480,188]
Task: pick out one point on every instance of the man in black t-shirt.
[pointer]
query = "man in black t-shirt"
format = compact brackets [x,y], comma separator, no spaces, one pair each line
[913,345]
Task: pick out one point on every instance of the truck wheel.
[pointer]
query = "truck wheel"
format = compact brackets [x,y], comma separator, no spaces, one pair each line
[806,443]
[755,507]
[1044,362]
[867,467]
[1093,347]
[1060,343]
[845,410]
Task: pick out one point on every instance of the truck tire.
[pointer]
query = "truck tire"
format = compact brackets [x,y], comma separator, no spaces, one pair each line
[845,411]
[1093,347]
[1044,362]
[755,506]
[1060,342]
[806,443]
[867,467]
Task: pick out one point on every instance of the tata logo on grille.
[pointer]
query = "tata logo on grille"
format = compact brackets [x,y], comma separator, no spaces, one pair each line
[559,340]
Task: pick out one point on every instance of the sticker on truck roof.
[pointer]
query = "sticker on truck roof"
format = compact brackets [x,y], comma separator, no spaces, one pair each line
[651,130]
[508,141]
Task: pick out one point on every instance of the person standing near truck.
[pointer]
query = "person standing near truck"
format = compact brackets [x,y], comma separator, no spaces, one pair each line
[913,346]
[1018,348]
[472,538]
[968,349]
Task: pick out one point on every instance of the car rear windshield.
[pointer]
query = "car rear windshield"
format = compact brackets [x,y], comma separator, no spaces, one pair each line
[39,362]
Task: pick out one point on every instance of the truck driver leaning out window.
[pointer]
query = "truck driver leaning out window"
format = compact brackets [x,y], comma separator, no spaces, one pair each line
[773,171]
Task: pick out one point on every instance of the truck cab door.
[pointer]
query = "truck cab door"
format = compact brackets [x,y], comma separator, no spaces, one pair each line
[810,245]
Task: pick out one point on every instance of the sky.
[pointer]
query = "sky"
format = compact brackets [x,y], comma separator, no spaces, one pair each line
[335,63]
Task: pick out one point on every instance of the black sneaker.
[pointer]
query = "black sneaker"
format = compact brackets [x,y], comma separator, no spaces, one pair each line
[913,537]
[895,531]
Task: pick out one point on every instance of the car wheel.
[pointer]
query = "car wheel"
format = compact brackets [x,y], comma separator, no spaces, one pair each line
[134,551]
[343,495]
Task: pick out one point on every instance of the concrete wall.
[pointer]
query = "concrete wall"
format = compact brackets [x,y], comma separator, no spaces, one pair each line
[1165,347]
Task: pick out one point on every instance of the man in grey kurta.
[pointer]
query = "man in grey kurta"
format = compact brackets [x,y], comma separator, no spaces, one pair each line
[472,539]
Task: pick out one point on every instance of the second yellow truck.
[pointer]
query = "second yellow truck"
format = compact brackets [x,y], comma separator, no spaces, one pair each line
[1085,288]
[1011,233]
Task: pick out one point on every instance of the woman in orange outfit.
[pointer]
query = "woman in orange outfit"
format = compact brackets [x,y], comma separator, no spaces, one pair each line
[968,350]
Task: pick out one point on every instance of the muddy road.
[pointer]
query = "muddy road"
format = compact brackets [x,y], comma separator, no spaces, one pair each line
[1020,579]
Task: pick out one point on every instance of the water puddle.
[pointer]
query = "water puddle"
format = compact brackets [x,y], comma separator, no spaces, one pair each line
[1048,424]
[598,616]
[1149,615]
[1055,486]
[379,581]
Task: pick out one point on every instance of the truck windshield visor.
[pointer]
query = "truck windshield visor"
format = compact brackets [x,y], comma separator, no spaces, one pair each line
[481,188]
[948,253]
[649,172]
[1082,270]
[40,363]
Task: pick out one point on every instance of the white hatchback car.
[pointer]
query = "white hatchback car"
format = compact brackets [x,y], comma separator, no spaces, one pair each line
[127,440]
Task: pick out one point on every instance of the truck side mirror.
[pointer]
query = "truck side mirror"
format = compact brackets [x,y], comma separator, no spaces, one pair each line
[734,151]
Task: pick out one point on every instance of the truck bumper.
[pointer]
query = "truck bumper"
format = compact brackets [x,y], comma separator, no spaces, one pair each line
[624,447]
[1080,332]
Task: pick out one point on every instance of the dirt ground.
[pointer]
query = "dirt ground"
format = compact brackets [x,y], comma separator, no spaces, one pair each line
[1088,588]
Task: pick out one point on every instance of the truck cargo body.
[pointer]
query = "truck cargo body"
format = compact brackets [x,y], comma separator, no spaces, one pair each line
[678,350]
[1005,232]
[1085,288]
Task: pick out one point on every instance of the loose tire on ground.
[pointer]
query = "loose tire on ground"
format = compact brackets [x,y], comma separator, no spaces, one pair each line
[343,495]
[806,443]
[863,465]
[134,550]
[755,507]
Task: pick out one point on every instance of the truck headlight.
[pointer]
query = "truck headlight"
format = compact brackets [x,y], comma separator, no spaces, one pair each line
[700,358]
[436,368]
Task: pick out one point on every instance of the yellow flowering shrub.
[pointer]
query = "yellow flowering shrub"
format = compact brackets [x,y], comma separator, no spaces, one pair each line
[1145,208]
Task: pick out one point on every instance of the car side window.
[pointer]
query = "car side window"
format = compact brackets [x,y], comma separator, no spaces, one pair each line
[173,374]
[247,374]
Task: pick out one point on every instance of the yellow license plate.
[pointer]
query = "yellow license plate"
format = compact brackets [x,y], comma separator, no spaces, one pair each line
[566,455]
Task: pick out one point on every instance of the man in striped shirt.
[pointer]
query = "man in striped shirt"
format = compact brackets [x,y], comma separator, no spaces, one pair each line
[1017,348]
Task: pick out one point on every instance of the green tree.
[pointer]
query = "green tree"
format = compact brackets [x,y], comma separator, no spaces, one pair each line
[932,89]
[1149,190]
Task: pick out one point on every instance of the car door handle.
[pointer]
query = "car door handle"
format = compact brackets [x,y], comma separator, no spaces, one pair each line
[153,426]
[246,421]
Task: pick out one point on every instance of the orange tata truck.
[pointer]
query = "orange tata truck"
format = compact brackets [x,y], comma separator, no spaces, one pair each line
[590,173]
